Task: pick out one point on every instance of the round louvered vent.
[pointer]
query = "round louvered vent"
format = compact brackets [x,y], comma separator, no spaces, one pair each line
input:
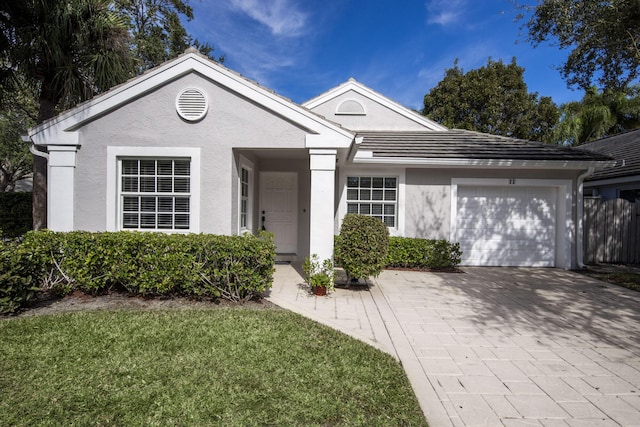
[192,104]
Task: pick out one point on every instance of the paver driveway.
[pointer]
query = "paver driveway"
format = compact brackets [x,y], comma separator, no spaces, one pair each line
[495,346]
[516,346]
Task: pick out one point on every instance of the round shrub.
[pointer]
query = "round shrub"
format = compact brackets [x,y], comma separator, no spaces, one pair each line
[363,246]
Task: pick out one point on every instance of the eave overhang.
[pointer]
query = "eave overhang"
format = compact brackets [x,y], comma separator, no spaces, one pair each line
[367,157]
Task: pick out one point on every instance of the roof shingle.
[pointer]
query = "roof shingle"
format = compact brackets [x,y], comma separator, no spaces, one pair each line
[464,144]
[624,147]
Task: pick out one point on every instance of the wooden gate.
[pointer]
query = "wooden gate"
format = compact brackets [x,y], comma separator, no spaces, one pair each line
[611,231]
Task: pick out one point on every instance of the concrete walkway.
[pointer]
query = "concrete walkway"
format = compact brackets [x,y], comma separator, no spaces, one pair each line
[495,346]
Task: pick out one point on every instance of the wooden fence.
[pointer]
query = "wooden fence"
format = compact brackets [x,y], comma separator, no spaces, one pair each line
[611,231]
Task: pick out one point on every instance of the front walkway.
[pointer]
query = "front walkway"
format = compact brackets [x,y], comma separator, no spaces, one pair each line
[496,346]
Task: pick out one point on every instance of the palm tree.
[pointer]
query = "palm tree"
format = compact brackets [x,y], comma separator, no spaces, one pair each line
[69,51]
[597,115]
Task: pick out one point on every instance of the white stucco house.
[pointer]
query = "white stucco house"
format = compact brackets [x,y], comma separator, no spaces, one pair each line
[192,146]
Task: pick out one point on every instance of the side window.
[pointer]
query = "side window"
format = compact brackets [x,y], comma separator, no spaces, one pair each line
[244,198]
[374,196]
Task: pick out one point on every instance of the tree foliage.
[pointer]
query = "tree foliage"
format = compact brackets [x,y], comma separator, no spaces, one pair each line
[597,115]
[68,51]
[18,113]
[492,99]
[156,30]
[603,38]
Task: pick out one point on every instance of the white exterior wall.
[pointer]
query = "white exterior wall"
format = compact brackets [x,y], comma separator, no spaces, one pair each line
[378,117]
[424,204]
[152,120]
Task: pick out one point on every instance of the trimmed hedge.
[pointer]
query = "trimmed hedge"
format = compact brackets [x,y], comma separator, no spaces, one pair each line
[237,268]
[363,246]
[406,252]
[15,214]
[16,288]
[414,253]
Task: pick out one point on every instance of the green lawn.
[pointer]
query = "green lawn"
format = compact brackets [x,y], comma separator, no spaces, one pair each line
[231,367]
[628,280]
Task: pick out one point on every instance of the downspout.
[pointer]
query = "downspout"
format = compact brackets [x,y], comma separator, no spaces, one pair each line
[580,219]
[33,149]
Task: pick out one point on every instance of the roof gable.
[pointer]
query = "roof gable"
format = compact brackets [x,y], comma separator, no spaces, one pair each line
[352,99]
[59,129]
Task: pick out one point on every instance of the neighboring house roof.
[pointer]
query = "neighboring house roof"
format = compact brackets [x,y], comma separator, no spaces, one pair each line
[449,146]
[353,85]
[624,147]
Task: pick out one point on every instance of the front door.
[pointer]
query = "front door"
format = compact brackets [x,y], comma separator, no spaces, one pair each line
[279,209]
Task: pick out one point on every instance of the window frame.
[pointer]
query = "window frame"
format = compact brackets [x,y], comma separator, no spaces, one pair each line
[397,173]
[159,194]
[115,155]
[384,192]
[247,165]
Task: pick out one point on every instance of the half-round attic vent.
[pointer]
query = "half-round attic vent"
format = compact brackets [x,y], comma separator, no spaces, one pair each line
[351,107]
[192,104]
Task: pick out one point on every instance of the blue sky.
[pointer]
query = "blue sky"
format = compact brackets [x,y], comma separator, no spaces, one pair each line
[400,48]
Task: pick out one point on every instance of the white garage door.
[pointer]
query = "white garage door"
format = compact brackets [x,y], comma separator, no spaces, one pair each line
[506,226]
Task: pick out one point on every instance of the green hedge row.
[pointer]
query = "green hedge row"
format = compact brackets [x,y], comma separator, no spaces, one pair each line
[236,268]
[422,254]
[406,252]
[15,214]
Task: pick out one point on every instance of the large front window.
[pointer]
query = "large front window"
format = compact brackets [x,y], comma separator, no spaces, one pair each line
[155,194]
[373,196]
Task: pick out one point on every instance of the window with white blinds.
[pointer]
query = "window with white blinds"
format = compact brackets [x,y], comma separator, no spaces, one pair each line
[374,196]
[155,194]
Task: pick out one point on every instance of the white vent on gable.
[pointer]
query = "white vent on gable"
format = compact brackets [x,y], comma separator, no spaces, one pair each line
[192,104]
[351,107]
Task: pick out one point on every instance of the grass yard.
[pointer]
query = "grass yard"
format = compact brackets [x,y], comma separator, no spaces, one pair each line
[230,367]
[628,280]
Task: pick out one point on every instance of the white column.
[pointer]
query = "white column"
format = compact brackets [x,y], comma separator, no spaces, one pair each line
[321,215]
[60,203]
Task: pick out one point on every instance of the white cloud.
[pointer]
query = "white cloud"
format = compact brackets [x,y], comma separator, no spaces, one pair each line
[282,17]
[264,40]
[445,12]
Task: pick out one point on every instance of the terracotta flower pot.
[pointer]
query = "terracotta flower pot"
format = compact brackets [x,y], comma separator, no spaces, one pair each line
[320,291]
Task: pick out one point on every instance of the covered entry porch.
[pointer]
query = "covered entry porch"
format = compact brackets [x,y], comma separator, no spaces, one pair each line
[290,193]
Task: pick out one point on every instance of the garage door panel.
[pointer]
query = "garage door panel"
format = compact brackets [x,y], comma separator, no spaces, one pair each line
[496,258]
[510,226]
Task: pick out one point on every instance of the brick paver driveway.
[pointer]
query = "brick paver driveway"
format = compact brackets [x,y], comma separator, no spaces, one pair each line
[516,346]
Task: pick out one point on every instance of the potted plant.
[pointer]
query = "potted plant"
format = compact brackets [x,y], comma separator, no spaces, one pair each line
[319,276]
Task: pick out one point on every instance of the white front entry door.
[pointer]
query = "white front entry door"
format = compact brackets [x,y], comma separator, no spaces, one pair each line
[279,209]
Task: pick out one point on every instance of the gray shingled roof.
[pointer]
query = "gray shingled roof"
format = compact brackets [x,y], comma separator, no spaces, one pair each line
[464,144]
[624,146]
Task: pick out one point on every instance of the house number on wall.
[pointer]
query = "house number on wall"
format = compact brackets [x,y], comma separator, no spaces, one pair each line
[512,181]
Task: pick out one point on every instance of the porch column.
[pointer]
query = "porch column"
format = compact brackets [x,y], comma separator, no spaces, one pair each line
[60,203]
[321,215]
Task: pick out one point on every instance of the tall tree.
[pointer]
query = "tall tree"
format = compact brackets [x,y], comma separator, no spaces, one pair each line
[69,50]
[597,115]
[603,38]
[18,113]
[156,29]
[492,99]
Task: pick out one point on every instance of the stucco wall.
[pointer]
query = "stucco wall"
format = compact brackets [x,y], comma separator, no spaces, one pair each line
[151,120]
[378,117]
[428,196]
